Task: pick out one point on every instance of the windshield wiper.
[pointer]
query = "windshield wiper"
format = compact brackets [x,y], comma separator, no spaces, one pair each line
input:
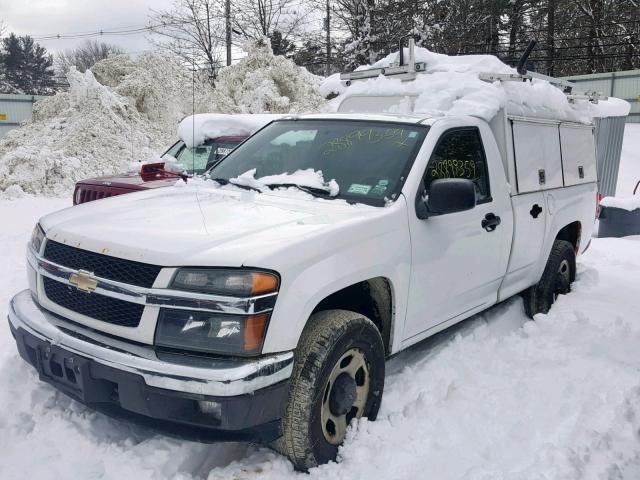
[226,181]
[315,191]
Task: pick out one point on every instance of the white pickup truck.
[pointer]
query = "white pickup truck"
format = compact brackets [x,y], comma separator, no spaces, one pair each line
[265,309]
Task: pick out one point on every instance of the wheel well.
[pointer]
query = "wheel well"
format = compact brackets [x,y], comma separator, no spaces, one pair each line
[371,298]
[571,233]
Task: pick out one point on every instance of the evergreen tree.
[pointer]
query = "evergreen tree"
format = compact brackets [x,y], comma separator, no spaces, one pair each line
[280,45]
[27,66]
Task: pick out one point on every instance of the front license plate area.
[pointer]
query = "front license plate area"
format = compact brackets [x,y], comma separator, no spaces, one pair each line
[63,370]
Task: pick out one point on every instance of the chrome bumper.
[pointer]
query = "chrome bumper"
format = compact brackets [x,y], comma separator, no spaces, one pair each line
[218,377]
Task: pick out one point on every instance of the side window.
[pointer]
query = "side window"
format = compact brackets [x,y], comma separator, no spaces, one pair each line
[459,154]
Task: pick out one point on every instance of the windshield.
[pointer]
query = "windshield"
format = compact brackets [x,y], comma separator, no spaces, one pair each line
[368,160]
[198,159]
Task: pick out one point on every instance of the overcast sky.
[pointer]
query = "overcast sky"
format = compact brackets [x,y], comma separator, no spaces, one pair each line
[45,17]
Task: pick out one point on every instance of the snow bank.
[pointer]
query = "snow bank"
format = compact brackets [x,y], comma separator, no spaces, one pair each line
[88,131]
[158,86]
[122,111]
[305,178]
[451,86]
[194,129]
[624,203]
[264,83]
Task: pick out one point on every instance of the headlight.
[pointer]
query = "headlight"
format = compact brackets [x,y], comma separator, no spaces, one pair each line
[37,237]
[211,332]
[236,283]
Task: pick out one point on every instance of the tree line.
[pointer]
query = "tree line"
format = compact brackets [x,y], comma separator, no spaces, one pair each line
[574,36]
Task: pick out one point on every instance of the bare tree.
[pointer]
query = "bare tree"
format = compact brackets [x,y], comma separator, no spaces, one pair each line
[261,18]
[194,31]
[85,56]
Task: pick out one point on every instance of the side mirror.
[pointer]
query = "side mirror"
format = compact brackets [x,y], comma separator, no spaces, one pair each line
[448,195]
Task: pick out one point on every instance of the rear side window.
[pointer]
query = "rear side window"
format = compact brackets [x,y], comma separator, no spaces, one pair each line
[460,154]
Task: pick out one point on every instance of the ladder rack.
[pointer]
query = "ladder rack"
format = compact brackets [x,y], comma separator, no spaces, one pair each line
[410,70]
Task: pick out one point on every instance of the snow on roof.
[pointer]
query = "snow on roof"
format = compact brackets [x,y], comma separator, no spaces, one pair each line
[195,129]
[451,86]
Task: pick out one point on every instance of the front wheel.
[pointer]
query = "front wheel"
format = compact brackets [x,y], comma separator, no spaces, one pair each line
[556,280]
[338,376]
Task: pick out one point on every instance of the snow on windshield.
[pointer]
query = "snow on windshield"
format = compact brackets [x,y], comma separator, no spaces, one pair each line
[305,178]
[195,129]
[451,86]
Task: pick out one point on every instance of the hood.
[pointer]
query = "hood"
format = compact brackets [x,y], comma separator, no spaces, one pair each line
[132,181]
[197,224]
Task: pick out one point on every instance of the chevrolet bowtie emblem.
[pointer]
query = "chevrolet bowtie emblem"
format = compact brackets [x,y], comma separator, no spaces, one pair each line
[83,281]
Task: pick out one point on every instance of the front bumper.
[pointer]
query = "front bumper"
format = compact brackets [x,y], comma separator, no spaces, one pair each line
[246,397]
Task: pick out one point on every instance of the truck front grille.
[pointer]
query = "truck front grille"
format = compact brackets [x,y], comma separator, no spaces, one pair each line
[87,194]
[103,266]
[93,305]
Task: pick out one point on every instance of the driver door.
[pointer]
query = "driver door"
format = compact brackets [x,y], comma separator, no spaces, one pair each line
[457,264]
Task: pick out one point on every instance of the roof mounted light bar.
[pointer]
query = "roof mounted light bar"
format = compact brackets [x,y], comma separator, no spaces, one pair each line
[399,70]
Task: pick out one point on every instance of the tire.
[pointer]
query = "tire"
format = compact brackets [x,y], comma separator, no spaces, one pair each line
[346,348]
[557,277]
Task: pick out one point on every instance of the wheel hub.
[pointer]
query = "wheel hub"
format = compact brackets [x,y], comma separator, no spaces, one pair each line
[343,394]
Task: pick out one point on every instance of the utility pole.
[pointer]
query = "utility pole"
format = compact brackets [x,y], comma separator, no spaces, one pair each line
[227,17]
[551,31]
[327,68]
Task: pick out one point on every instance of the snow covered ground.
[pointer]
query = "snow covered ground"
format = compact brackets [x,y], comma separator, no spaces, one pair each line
[498,397]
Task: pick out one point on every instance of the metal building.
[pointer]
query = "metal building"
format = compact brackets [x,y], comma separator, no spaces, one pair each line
[625,85]
[15,109]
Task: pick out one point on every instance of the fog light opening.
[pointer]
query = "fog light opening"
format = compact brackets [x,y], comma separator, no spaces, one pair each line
[211,409]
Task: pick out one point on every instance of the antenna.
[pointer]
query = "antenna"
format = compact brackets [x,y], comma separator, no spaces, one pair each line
[193,112]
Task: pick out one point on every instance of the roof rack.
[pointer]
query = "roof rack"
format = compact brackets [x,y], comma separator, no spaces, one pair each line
[409,70]
[399,70]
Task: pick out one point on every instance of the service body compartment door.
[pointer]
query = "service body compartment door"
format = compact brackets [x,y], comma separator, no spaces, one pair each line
[530,219]
[536,147]
[578,154]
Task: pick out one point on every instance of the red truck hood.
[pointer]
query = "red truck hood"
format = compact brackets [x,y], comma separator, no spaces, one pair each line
[132,181]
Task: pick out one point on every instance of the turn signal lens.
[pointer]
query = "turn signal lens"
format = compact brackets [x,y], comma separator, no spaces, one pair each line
[254,329]
[263,283]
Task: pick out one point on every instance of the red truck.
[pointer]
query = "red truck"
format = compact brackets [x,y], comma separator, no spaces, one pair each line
[192,161]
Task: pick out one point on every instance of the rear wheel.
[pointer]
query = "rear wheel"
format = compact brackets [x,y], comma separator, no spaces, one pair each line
[338,376]
[556,280]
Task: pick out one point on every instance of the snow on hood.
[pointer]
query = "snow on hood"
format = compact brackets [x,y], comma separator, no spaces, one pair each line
[198,220]
[305,178]
[195,129]
[451,86]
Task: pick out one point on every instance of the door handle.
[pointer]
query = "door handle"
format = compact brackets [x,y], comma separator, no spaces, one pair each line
[490,222]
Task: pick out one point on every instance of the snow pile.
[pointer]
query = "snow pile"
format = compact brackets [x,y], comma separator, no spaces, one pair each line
[88,131]
[195,129]
[332,86]
[305,178]
[264,83]
[624,203]
[451,86]
[158,86]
